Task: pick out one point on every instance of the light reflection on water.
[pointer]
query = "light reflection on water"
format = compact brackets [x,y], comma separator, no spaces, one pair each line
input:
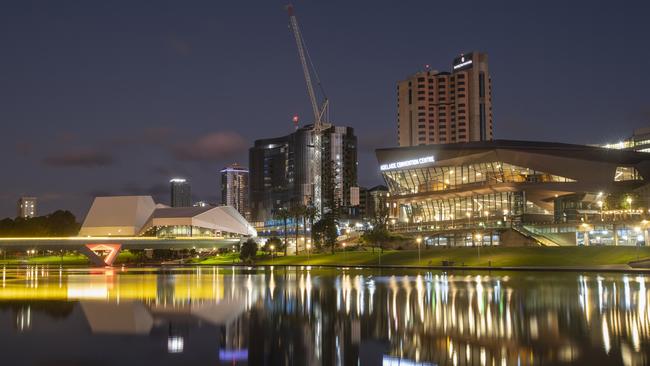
[313,316]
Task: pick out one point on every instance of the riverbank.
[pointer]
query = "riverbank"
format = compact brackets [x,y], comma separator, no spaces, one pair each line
[529,258]
[476,257]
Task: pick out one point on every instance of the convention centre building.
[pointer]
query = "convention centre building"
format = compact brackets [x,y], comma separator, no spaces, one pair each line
[504,191]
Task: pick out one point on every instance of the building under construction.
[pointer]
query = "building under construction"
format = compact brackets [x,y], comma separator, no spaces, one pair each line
[314,166]
[281,170]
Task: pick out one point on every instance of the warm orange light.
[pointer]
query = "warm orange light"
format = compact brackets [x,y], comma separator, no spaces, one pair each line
[112,249]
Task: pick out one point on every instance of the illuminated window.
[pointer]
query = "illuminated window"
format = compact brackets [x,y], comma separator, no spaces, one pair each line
[624,173]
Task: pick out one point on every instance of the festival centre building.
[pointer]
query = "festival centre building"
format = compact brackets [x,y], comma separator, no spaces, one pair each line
[140,216]
[506,192]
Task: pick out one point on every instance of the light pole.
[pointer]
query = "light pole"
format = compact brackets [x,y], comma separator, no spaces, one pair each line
[308,246]
[479,237]
[272,253]
[469,219]
[345,254]
[419,241]
[600,206]
[629,204]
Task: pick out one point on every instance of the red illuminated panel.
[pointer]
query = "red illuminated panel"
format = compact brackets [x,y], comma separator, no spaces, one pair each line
[107,252]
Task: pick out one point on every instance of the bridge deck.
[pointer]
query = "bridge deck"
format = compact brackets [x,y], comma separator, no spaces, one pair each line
[126,242]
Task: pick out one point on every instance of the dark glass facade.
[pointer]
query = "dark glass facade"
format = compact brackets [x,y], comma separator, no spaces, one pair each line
[282,169]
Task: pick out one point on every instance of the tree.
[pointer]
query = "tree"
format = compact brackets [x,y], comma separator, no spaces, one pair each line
[248,250]
[283,215]
[297,212]
[378,235]
[325,231]
[330,187]
[274,242]
[310,214]
[57,224]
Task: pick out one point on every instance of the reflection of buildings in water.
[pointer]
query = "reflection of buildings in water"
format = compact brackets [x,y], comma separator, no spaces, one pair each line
[310,317]
[617,311]
[24,319]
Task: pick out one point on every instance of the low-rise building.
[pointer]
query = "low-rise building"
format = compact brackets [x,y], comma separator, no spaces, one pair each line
[141,216]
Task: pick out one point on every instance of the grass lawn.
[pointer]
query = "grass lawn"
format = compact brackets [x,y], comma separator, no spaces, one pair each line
[125,256]
[495,256]
[68,259]
[229,258]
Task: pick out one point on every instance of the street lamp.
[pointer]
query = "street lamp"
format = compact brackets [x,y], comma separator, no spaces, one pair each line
[419,241]
[272,253]
[345,256]
[308,246]
[600,206]
[629,204]
[479,237]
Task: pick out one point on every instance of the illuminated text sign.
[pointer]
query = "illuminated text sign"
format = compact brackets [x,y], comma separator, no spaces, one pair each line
[462,64]
[407,163]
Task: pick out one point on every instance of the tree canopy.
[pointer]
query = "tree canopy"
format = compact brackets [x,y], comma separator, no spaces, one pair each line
[57,224]
[248,250]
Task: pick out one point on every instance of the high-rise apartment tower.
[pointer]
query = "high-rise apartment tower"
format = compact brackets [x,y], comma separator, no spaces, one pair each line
[234,188]
[181,195]
[445,107]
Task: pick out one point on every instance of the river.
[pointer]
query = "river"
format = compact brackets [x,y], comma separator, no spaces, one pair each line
[320,316]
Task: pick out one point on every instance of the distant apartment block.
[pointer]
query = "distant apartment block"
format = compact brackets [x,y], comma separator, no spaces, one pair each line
[27,207]
[181,195]
[234,188]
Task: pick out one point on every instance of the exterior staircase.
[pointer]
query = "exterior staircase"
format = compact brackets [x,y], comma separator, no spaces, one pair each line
[539,238]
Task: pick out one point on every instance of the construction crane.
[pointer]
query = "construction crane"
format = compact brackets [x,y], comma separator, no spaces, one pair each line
[320,110]
[305,61]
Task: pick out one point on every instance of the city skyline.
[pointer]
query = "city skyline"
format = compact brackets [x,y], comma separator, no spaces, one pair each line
[111,122]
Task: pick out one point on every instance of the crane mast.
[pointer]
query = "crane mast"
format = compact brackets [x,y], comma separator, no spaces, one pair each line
[303,61]
[319,113]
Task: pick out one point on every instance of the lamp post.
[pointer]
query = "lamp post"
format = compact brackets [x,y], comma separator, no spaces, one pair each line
[479,237]
[469,219]
[308,246]
[272,253]
[419,241]
[629,204]
[345,254]
[600,207]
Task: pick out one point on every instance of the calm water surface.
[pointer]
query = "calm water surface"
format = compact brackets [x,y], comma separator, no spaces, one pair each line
[313,316]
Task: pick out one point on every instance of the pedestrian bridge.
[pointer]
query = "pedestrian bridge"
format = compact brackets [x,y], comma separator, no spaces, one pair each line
[102,251]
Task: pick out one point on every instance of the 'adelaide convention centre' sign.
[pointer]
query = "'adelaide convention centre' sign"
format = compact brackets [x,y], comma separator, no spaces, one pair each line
[407,163]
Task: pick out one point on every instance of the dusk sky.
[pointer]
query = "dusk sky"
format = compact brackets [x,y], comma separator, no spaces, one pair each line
[117,97]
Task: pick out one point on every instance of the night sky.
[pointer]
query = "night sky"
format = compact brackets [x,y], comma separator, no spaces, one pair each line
[117,97]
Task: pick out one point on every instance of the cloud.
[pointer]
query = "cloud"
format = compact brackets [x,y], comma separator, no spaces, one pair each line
[24,148]
[157,136]
[179,45]
[217,146]
[157,190]
[80,158]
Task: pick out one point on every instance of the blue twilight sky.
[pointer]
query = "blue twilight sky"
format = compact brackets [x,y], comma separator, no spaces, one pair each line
[116,97]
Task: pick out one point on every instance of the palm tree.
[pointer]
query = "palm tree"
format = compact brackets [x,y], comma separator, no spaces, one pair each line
[283,215]
[310,213]
[297,212]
